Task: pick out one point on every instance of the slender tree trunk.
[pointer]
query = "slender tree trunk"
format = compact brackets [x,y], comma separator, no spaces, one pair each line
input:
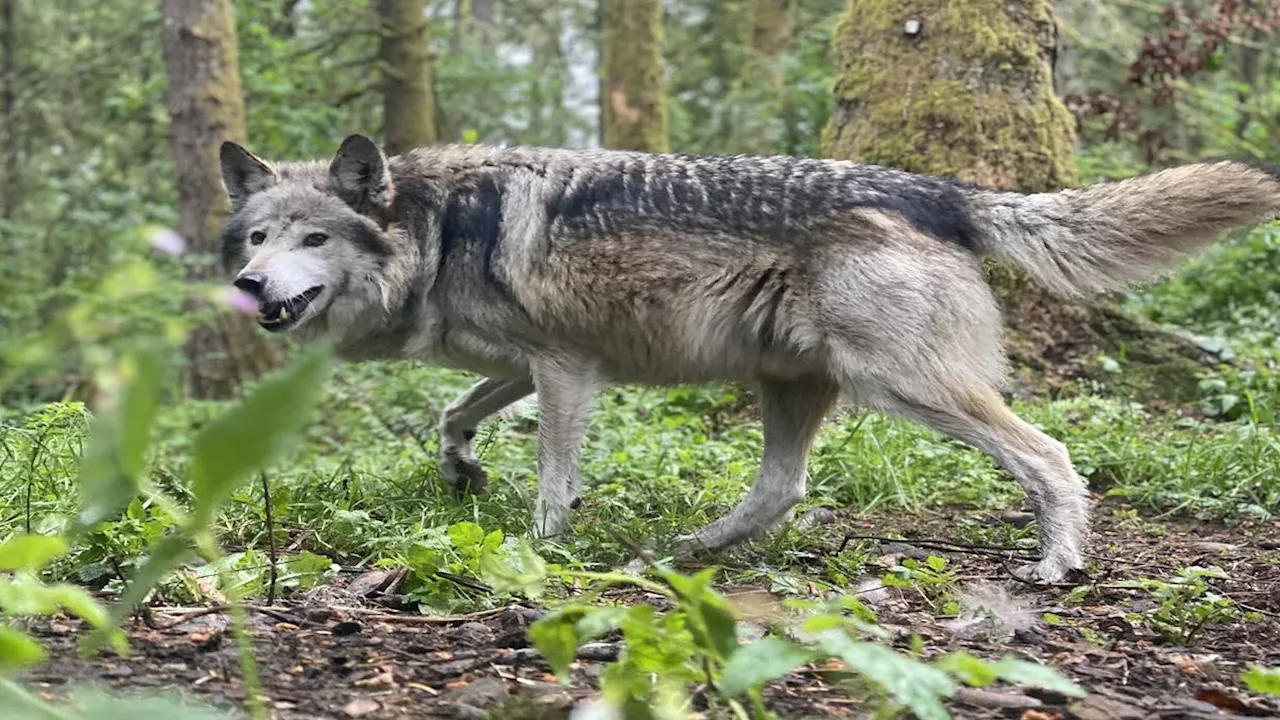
[963,88]
[633,109]
[9,185]
[407,93]
[771,29]
[547,87]
[768,33]
[206,108]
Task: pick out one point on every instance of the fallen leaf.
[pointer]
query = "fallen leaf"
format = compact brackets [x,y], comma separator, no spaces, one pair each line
[381,681]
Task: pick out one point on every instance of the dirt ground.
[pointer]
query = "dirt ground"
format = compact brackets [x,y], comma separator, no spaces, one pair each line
[347,656]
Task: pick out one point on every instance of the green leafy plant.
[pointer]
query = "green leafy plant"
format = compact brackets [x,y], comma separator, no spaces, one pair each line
[1185,604]
[696,639]
[227,451]
[1262,680]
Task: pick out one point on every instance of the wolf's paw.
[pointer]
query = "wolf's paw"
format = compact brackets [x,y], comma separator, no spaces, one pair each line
[1052,569]
[687,547]
[463,476]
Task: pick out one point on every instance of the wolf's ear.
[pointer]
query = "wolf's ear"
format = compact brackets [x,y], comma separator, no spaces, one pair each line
[360,175]
[244,173]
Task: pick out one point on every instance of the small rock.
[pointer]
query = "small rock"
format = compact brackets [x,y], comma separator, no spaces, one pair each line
[377,582]
[473,634]
[481,693]
[361,707]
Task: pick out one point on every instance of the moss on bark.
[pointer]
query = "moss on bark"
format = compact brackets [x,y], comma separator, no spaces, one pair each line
[633,108]
[964,88]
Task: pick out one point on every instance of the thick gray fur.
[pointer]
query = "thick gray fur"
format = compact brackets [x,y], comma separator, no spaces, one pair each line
[817,281]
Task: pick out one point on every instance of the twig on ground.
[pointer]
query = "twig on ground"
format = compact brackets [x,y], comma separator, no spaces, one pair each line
[944,545]
[271,539]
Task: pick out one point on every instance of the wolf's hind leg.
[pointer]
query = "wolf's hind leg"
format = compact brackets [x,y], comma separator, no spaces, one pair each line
[974,413]
[792,412]
[459,468]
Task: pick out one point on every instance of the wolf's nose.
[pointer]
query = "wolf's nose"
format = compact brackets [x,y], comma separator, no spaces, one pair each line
[251,282]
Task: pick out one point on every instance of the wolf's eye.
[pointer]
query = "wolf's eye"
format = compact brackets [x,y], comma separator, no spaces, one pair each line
[257,237]
[314,239]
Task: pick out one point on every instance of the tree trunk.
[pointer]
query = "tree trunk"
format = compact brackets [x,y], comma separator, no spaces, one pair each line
[963,88]
[768,32]
[11,172]
[633,110]
[770,29]
[407,93]
[206,108]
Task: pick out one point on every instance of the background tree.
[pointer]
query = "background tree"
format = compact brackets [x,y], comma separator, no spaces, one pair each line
[10,174]
[964,88]
[206,108]
[768,31]
[404,59]
[633,108]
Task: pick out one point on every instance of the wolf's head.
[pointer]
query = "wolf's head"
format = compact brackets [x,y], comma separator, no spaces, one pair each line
[314,245]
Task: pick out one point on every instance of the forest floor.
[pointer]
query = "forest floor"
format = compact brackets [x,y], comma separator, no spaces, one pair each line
[1163,651]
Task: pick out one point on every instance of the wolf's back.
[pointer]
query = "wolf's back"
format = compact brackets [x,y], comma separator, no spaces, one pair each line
[1089,240]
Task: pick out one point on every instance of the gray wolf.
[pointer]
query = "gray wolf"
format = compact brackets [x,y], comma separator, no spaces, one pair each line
[817,281]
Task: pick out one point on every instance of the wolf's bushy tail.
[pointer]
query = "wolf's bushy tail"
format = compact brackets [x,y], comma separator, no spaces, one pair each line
[1088,240]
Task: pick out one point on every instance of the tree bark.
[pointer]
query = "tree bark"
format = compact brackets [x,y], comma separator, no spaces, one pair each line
[964,88]
[10,189]
[768,31]
[408,101]
[633,109]
[206,108]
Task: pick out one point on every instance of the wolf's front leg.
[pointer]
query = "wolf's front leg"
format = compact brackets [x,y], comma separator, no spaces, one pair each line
[459,468]
[565,389]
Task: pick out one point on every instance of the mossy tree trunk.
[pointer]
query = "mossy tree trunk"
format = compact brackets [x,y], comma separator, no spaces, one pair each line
[964,88]
[633,110]
[404,56]
[206,108]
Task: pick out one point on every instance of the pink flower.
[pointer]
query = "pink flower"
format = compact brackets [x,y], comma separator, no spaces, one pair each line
[168,242]
[241,301]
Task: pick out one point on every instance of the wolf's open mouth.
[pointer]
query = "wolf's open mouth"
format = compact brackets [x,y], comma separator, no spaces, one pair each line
[280,315]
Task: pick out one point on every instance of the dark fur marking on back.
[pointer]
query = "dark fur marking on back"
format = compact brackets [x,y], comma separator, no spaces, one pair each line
[761,196]
[473,214]
[1272,170]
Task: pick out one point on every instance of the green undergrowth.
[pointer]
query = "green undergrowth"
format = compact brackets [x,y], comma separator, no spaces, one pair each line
[361,485]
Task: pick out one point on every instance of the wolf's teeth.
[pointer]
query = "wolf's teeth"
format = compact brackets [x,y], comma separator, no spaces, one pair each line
[284,314]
